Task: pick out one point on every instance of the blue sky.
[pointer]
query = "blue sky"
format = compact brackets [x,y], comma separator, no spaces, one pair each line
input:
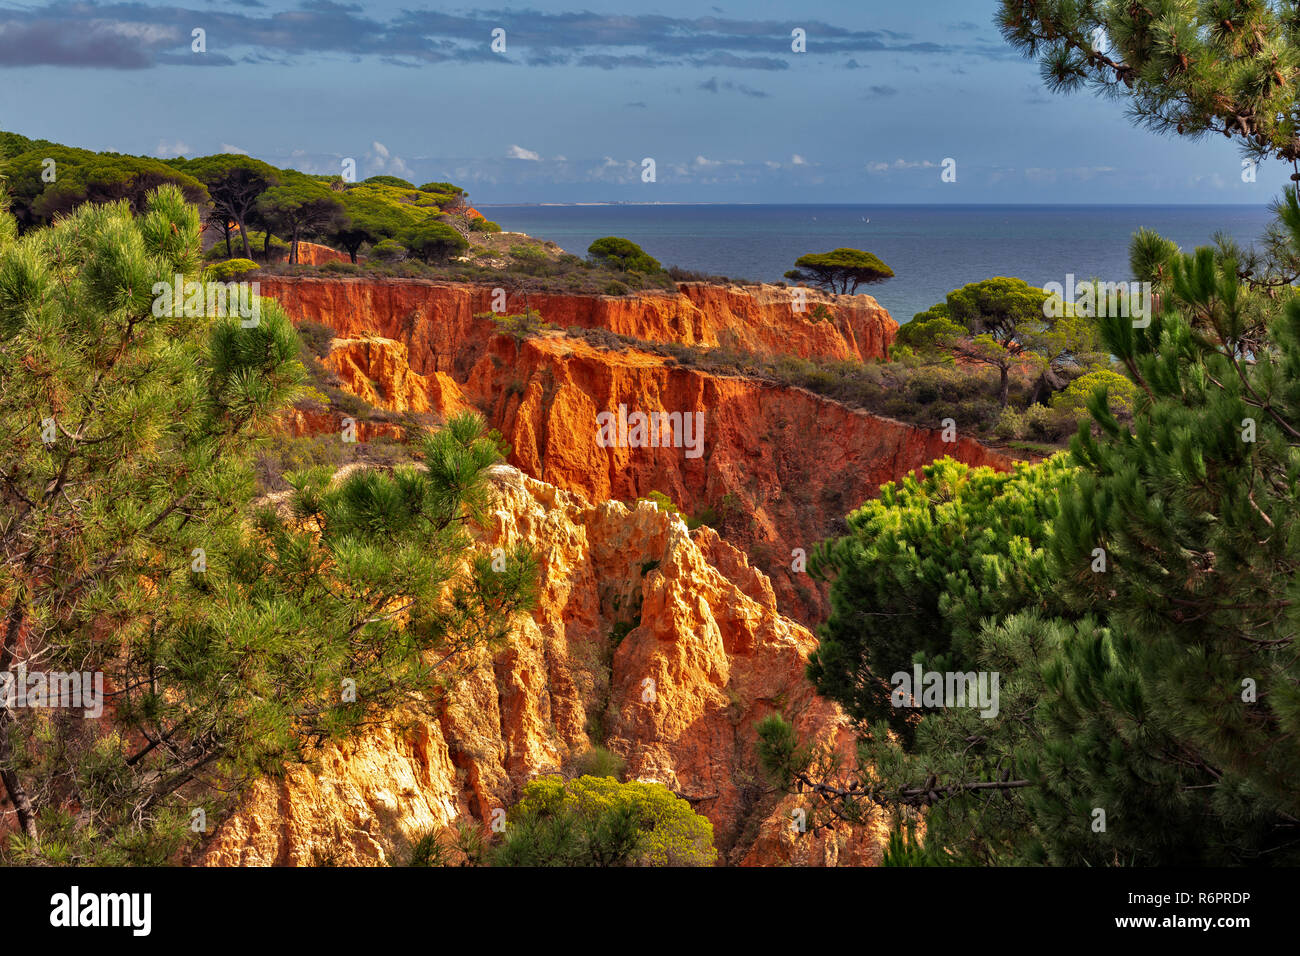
[587,89]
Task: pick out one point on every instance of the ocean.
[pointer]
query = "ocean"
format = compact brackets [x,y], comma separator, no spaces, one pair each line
[932,249]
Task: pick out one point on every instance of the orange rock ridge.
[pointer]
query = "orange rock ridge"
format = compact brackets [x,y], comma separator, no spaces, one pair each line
[706,658]
[780,466]
[435,320]
[314,254]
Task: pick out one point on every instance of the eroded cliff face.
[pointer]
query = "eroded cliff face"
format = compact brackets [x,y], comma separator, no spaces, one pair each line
[379,371]
[775,472]
[779,468]
[435,320]
[711,642]
[706,657]
[314,254]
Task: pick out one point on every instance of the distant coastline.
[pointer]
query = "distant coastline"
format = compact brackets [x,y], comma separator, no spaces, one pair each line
[932,249]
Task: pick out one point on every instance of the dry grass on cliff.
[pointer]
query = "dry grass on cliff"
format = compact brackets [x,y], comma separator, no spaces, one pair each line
[326,397]
[922,395]
[522,265]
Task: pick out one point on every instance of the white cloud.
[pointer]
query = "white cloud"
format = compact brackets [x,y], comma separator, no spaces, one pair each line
[144,32]
[611,170]
[901,164]
[381,161]
[703,162]
[168,150]
[227,148]
[797,160]
[518,152]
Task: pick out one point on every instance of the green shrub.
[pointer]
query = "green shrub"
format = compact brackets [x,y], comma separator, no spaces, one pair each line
[389,181]
[286,455]
[345,403]
[622,254]
[430,850]
[388,250]
[530,259]
[1040,423]
[449,190]
[434,241]
[1036,422]
[462,846]
[518,327]
[1010,424]
[1121,393]
[528,254]
[678,274]
[316,336]
[597,821]
[230,269]
[347,268]
[599,762]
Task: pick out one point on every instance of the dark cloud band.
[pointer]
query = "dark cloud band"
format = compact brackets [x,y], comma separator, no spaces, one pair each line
[130,36]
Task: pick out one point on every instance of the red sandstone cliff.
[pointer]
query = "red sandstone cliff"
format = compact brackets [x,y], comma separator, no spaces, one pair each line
[778,466]
[705,638]
[779,469]
[435,320]
[314,254]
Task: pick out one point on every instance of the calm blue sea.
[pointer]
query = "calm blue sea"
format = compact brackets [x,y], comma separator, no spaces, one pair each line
[932,249]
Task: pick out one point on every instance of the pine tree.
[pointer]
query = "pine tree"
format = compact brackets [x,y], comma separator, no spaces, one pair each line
[232,638]
[840,271]
[1149,707]
[1195,510]
[299,209]
[922,566]
[1224,67]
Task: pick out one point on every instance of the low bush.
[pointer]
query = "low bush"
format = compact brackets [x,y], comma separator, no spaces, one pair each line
[388,250]
[315,336]
[518,327]
[231,269]
[678,274]
[565,274]
[599,762]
